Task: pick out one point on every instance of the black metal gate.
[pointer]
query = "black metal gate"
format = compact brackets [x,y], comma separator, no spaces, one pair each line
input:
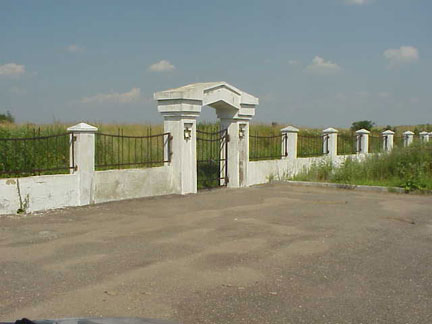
[212,159]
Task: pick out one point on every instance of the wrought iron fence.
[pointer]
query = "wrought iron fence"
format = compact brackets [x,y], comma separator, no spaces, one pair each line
[398,141]
[347,144]
[375,143]
[212,158]
[267,147]
[310,145]
[119,151]
[36,155]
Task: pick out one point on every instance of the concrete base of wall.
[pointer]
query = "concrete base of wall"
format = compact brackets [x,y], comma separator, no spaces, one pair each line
[38,193]
[134,183]
[260,172]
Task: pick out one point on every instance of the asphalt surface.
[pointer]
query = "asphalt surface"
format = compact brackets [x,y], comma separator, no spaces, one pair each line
[267,254]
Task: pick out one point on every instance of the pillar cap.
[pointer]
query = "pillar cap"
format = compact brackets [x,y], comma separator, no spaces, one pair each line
[424,133]
[388,132]
[362,131]
[82,128]
[409,133]
[289,129]
[330,131]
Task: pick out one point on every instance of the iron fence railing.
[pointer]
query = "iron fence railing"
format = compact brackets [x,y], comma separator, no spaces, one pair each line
[347,144]
[212,158]
[119,151]
[376,143]
[310,145]
[267,147]
[36,155]
[398,141]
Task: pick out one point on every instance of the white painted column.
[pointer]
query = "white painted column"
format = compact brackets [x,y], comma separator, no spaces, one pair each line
[233,164]
[408,138]
[83,136]
[388,140]
[363,141]
[180,121]
[289,142]
[243,151]
[330,141]
[424,137]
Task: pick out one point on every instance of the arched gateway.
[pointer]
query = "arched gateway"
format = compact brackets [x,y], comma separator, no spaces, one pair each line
[180,108]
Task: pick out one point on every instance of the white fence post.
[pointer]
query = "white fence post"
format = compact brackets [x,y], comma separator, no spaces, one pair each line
[330,141]
[424,137]
[408,138]
[83,137]
[289,142]
[362,141]
[388,140]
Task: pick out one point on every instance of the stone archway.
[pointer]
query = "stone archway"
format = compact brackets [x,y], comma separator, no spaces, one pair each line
[180,108]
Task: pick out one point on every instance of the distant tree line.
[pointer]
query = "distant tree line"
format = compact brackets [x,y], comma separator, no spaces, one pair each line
[7,118]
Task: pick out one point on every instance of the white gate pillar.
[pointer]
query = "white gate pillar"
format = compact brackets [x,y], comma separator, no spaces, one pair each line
[83,153]
[424,137]
[408,137]
[330,138]
[180,121]
[388,140]
[363,141]
[238,148]
[289,142]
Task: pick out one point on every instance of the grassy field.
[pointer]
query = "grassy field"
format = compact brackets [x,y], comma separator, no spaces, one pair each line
[409,168]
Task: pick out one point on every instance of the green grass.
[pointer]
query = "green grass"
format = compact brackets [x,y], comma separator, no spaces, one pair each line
[409,168]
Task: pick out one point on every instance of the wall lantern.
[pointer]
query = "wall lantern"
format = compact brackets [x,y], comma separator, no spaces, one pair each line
[187,131]
[242,130]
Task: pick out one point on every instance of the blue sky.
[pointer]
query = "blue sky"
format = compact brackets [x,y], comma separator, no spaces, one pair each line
[315,63]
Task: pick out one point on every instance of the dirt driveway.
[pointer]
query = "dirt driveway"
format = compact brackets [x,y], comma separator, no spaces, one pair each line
[267,254]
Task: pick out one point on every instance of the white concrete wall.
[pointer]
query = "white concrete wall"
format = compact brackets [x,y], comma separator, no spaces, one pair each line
[114,185]
[42,192]
[260,172]
[57,191]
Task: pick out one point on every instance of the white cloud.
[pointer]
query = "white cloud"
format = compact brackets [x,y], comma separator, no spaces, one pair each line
[133,95]
[384,94]
[402,55]
[12,69]
[74,48]
[161,66]
[293,62]
[320,65]
[358,2]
